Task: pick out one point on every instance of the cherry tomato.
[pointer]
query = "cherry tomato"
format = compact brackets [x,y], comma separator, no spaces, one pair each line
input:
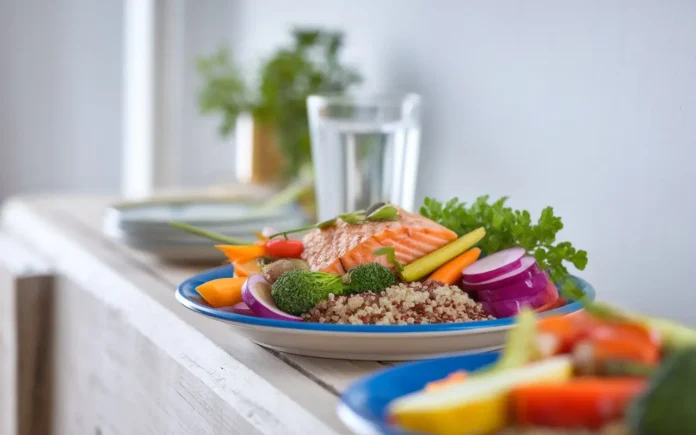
[282,248]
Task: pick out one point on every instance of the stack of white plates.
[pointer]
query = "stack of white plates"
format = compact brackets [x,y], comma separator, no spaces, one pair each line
[146,225]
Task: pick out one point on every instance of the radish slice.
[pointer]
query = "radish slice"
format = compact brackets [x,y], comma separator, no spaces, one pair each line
[240,308]
[257,295]
[494,265]
[510,307]
[525,287]
[527,269]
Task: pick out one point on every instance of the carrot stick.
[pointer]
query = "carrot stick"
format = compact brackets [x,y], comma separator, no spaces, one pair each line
[237,252]
[244,268]
[626,330]
[594,352]
[222,292]
[579,403]
[561,333]
[451,272]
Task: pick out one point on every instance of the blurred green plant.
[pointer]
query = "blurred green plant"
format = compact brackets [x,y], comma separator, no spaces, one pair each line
[309,65]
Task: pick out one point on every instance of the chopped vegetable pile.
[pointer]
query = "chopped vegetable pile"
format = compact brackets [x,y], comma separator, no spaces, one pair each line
[508,228]
[495,255]
[574,372]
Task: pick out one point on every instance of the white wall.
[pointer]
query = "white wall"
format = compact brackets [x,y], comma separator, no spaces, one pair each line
[206,158]
[60,95]
[589,106]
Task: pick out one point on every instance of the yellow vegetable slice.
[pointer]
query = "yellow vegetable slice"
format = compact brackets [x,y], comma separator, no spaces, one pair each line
[431,262]
[477,405]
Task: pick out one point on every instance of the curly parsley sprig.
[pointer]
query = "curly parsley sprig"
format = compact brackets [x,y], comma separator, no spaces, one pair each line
[506,228]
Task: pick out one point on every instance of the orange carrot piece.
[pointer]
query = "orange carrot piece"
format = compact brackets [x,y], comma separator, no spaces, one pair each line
[222,292]
[626,330]
[618,340]
[597,350]
[578,403]
[561,334]
[244,268]
[451,379]
[565,330]
[243,252]
[451,272]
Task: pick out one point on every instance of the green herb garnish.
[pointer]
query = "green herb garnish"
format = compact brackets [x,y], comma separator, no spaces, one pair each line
[506,228]
[382,212]
[356,217]
[326,224]
[391,256]
[299,230]
[386,212]
[208,234]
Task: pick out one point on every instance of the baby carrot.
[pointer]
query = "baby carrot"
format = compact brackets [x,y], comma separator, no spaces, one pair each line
[222,292]
[560,333]
[243,252]
[593,353]
[626,330]
[244,268]
[451,272]
[578,403]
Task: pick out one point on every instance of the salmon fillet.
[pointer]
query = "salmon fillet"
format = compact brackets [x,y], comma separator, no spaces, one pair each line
[343,246]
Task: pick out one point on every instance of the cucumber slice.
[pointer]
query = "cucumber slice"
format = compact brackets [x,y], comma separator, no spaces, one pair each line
[429,263]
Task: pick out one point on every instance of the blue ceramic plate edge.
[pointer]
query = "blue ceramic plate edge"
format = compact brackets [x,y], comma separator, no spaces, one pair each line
[359,423]
[226,271]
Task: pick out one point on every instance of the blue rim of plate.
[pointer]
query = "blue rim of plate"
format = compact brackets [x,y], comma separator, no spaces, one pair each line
[363,405]
[186,294]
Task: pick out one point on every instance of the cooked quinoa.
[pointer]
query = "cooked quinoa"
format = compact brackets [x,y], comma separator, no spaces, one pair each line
[402,304]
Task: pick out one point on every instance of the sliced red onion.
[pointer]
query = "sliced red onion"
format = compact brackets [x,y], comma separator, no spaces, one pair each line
[527,285]
[526,270]
[494,265]
[510,307]
[256,292]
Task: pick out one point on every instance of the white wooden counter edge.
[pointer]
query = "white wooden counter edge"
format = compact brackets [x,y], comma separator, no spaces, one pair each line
[262,404]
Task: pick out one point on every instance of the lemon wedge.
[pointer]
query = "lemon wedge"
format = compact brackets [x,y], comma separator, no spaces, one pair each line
[476,406]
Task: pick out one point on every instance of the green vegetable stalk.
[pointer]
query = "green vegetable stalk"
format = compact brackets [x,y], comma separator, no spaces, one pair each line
[667,406]
[376,213]
[520,347]
[507,228]
[208,234]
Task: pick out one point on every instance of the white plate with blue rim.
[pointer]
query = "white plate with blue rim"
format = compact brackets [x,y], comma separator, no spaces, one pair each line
[363,406]
[361,342]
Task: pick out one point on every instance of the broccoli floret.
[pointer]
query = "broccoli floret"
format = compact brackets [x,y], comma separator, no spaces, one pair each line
[368,277]
[296,291]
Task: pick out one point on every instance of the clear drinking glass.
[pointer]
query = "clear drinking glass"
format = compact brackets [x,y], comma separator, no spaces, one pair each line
[364,150]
